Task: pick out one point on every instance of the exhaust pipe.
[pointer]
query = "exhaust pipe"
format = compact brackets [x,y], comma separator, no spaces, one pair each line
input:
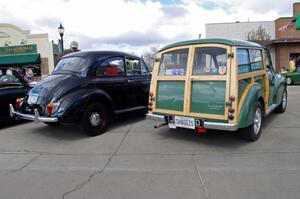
[160,125]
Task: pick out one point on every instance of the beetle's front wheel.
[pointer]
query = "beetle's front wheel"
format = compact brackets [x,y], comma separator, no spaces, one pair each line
[95,119]
[252,132]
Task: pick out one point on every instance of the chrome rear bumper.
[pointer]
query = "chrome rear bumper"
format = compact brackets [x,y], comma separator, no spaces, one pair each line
[207,125]
[36,117]
[159,118]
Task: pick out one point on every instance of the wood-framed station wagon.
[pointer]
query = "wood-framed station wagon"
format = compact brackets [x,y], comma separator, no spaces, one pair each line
[215,84]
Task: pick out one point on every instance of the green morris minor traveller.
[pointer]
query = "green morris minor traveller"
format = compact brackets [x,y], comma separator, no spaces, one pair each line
[216,84]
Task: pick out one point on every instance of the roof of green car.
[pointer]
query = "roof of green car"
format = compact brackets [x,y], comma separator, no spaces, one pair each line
[229,42]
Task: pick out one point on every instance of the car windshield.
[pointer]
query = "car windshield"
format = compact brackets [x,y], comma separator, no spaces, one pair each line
[72,65]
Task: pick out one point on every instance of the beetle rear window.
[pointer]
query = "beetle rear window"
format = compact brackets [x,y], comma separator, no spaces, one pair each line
[210,61]
[71,65]
[174,63]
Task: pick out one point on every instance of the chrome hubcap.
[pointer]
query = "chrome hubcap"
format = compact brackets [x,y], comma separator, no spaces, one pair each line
[288,81]
[284,99]
[95,119]
[257,121]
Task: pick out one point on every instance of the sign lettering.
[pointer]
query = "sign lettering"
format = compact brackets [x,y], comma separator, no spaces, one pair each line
[16,50]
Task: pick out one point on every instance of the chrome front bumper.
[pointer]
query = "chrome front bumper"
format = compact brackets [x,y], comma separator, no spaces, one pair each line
[207,125]
[36,117]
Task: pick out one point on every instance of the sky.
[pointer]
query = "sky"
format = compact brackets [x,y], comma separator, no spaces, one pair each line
[134,25]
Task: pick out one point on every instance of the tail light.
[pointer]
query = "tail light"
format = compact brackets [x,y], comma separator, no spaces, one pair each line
[231,109]
[232,98]
[151,100]
[51,108]
[201,130]
[19,102]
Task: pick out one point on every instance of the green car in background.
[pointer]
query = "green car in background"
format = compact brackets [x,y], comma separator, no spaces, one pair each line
[292,77]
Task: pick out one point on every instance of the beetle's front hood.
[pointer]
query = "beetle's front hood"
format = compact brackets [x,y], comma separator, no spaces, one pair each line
[56,86]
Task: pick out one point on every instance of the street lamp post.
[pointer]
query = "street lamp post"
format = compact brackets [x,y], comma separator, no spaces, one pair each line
[61,31]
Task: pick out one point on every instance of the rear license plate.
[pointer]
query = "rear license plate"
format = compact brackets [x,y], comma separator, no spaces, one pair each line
[185,122]
[32,99]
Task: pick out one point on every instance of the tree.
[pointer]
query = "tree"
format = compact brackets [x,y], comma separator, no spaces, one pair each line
[150,56]
[260,34]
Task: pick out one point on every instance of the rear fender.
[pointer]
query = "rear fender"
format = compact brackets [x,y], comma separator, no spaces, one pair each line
[254,94]
[280,85]
[73,105]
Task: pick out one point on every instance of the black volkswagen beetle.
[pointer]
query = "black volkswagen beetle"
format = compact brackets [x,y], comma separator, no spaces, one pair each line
[88,87]
[12,87]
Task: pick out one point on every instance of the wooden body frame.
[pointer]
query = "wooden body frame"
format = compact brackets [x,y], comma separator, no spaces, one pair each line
[232,77]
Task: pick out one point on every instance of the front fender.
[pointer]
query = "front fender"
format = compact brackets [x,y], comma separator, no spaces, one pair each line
[280,84]
[73,105]
[254,93]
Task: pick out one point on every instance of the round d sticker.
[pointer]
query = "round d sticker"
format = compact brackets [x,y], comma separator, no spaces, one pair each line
[222,70]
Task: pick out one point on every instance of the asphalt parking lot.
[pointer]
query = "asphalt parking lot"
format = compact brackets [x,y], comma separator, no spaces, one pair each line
[135,161]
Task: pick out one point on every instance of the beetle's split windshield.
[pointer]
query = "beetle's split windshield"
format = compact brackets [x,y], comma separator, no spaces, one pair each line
[71,65]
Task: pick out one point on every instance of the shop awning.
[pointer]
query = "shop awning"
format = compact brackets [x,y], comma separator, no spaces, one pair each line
[20,59]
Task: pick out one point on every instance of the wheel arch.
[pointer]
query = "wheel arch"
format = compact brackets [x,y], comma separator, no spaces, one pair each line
[76,103]
[255,94]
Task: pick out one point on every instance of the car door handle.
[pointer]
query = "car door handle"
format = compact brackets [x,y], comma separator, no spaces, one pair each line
[130,80]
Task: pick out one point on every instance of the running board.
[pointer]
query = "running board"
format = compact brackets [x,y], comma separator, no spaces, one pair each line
[130,109]
[272,108]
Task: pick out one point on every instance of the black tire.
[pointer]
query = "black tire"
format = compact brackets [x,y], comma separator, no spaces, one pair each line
[95,119]
[289,81]
[282,106]
[252,132]
[53,123]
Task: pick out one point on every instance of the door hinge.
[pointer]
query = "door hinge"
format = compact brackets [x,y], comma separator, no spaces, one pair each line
[231,55]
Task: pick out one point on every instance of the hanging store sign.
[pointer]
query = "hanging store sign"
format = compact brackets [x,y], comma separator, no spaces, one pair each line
[17,50]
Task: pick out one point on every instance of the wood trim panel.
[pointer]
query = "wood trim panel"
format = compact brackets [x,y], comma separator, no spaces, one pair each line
[251,74]
[233,86]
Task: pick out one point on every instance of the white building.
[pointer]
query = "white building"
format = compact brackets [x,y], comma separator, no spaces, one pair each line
[19,48]
[239,30]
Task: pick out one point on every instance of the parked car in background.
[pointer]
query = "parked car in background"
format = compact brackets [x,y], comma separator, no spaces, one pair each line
[292,77]
[12,87]
[216,84]
[35,69]
[90,88]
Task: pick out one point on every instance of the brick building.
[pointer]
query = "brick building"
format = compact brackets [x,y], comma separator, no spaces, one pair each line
[286,42]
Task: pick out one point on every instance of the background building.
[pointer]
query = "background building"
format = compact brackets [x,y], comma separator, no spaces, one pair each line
[19,48]
[282,43]
[238,30]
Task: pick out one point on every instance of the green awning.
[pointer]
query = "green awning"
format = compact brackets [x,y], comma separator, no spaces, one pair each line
[20,59]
